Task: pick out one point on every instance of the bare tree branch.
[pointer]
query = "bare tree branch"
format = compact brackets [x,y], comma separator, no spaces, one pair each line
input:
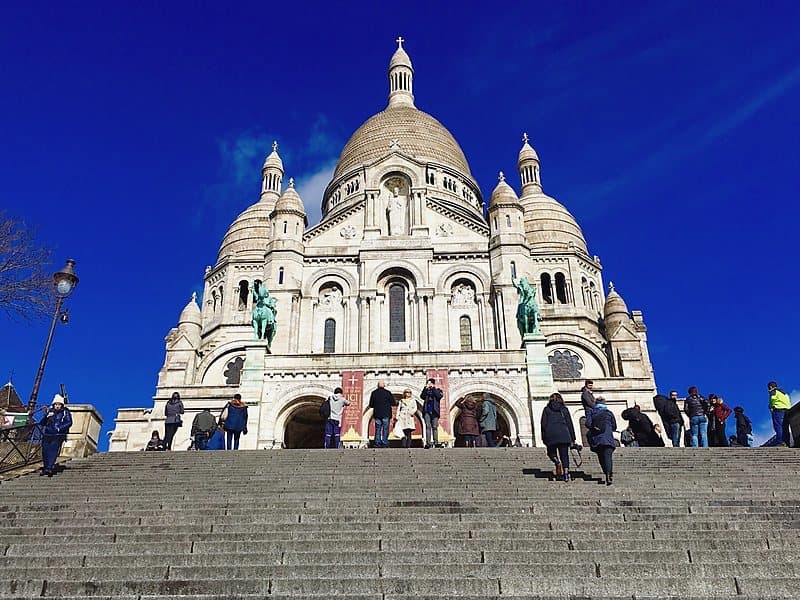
[26,283]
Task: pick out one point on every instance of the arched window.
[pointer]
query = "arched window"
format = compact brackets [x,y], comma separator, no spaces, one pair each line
[513,270]
[215,300]
[465,332]
[397,313]
[329,345]
[285,225]
[508,220]
[221,295]
[561,288]
[592,292]
[547,289]
[244,294]
[584,291]
[280,276]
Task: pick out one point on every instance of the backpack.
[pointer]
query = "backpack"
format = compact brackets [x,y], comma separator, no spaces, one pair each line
[627,437]
[325,409]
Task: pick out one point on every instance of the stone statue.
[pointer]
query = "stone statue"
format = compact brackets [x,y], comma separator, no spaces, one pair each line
[396,210]
[528,316]
[264,313]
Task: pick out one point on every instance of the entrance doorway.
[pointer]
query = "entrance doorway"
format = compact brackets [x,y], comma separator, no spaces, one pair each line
[305,428]
[503,427]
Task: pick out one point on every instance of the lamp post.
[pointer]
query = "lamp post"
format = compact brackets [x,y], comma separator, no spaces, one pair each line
[64,282]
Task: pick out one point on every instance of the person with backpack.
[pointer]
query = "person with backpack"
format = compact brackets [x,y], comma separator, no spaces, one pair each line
[203,426]
[431,401]
[558,434]
[488,420]
[719,412]
[332,410]
[696,408]
[601,425]
[57,422]
[172,418]
[234,419]
[744,428]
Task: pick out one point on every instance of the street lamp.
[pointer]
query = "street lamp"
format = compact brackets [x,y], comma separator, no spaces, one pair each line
[64,282]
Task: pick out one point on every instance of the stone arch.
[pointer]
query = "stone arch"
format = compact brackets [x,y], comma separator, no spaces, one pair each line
[319,278]
[479,278]
[514,409]
[216,360]
[571,342]
[400,268]
[299,424]
[382,173]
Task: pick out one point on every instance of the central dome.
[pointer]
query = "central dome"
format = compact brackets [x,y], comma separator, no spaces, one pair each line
[416,133]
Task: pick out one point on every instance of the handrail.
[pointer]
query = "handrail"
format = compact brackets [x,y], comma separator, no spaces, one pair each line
[21,445]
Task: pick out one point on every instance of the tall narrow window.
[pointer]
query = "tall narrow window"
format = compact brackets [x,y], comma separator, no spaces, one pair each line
[592,294]
[285,225]
[329,344]
[397,313]
[508,220]
[513,270]
[244,294]
[215,300]
[280,276]
[561,288]
[465,332]
[547,289]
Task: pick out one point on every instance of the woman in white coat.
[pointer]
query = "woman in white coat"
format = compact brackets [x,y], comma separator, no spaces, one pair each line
[406,410]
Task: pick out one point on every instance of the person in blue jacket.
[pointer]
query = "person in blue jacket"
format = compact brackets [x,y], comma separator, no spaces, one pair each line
[217,440]
[57,423]
[601,425]
[234,418]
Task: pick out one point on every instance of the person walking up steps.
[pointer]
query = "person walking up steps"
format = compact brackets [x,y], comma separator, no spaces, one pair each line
[558,434]
[744,428]
[601,425]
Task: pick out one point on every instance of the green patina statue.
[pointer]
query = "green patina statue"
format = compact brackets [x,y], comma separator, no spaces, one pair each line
[528,309]
[264,313]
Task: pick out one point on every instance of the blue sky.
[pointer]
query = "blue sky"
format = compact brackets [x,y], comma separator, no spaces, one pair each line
[133,135]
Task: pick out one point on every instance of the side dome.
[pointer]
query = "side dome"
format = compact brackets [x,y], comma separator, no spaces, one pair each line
[549,225]
[503,193]
[290,200]
[249,233]
[190,315]
[615,306]
[417,134]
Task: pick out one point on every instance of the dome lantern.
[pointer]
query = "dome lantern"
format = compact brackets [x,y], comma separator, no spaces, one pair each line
[272,175]
[401,77]
[528,164]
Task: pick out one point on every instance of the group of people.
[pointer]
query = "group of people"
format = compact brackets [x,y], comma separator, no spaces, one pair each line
[208,432]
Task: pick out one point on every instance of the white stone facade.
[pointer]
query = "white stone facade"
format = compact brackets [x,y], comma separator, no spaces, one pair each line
[406,272]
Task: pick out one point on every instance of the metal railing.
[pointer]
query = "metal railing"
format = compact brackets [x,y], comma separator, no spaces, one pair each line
[21,445]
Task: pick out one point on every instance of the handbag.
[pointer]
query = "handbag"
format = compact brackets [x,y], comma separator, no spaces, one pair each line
[397,431]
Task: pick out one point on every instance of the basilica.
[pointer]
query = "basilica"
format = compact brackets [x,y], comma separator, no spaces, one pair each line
[410,274]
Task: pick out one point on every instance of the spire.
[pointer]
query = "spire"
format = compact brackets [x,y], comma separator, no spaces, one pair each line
[528,164]
[401,77]
[272,175]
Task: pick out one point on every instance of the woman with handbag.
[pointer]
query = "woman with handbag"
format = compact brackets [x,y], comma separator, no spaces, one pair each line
[234,419]
[404,421]
[558,434]
[172,419]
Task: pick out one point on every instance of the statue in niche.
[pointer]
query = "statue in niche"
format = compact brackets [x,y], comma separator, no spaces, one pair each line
[396,212]
[528,315]
[463,295]
[331,297]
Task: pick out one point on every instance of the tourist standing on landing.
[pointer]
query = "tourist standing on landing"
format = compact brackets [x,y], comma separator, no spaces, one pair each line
[381,402]
[488,421]
[172,418]
[779,405]
[468,420]
[234,419]
[587,397]
[696,408]
[333,424]
[405,417]
[431,405]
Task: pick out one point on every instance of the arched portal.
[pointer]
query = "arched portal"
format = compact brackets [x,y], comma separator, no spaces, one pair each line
[304,427]
[506,425]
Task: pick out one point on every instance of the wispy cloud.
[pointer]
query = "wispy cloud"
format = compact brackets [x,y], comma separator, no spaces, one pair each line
[762,432]
[311,186]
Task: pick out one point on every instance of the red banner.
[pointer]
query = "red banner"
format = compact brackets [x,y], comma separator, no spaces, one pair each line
[353,386]
[441,381]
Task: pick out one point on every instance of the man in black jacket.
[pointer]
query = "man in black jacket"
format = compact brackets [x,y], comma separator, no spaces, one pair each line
[431,399]
[381,402]
[587,397]
[642,426]
[696,408]
[670,414]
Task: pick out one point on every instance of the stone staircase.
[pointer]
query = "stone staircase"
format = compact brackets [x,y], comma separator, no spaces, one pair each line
[405,524]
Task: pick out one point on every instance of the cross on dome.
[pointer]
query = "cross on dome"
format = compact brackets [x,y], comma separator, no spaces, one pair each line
[400,41]
[291,182]
[501,177]
[525,137]
[394,145]
[610,286]
[194,296]
[274,145]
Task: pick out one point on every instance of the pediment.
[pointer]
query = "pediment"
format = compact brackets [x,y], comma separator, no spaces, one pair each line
[624,333]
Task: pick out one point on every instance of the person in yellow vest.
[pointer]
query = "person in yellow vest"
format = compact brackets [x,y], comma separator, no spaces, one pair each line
[779,405]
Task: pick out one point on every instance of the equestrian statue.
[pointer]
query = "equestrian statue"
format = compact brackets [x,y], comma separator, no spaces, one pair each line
[264,313]
[528,316]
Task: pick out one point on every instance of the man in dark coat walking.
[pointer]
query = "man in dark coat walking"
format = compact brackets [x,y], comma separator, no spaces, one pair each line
[381,402]
[642,426]
[587,397]
[558,434]
[670,414]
